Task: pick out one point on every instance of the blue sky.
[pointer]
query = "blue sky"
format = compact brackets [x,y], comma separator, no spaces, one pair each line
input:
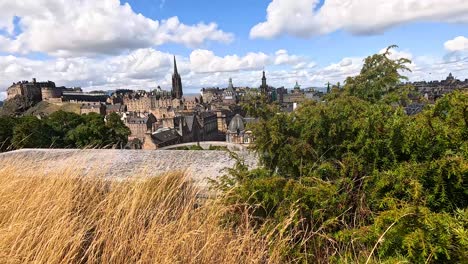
[111,44]
[425,38]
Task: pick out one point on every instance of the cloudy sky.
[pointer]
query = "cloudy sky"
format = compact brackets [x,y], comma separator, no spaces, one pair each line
[109,44]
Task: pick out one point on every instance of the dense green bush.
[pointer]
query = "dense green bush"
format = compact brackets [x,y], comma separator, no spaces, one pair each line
[63,130]
[357,178]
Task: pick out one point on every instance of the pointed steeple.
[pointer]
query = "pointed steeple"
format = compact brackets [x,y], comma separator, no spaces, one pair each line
[177,92]
[175,66]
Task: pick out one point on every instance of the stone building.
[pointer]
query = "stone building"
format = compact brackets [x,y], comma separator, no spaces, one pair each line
[191,103]
[264,89]
[229,95]
[435,89]
[140,125]
[189,127]
[138,104]
[47,91]
[295,98]
[31,90]
[98,108]
[78,96]
[51,93]
[210,126]
[212,95]
[223,118]
[237,132]
[115,108]
[142,101]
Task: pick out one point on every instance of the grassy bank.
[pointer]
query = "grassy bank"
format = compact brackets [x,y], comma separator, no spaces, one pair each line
[62,218]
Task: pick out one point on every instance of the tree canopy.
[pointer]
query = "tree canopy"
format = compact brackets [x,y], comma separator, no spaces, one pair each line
[63,130]
[361,178]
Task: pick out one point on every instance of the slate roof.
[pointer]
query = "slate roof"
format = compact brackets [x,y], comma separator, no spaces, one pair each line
[190,119]
[165,135]
[237,123]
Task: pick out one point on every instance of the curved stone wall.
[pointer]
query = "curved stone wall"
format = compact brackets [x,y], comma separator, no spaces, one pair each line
[199,165]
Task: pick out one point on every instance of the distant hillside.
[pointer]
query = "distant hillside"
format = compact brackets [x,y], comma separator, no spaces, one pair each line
[44,108]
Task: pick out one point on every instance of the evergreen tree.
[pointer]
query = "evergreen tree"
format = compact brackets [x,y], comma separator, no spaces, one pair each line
[357,172]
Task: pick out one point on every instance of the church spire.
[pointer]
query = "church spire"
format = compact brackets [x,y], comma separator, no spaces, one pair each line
[177,92]
[175,66]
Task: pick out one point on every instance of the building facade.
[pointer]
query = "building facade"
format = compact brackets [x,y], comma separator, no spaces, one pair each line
[237,132]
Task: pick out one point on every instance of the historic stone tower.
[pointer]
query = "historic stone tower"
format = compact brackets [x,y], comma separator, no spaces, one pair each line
[264,87]
[176,83]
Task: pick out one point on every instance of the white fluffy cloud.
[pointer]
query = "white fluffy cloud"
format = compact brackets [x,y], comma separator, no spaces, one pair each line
[83,27]
[147,68]
[205,61]
[140,69]
[457,44]
[306,18]
[283,57]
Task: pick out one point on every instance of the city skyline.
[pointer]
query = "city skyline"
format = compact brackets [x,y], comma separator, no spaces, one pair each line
[113,44]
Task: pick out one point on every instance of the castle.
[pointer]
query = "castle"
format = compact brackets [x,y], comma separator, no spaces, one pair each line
[36,92]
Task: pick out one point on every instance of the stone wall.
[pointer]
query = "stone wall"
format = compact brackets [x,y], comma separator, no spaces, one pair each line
[49,93]
[198,165]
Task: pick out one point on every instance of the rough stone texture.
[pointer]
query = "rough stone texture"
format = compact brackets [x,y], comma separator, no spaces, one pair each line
[198,165]
[207,144]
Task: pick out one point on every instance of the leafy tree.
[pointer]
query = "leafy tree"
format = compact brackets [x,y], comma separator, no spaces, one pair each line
[118,132]
[91,133]
[62,123]
[31,132]
[380,75]
[358,177]
[257,105]
[7,125]
[95,133]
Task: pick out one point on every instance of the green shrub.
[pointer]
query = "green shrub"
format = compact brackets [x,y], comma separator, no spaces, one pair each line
[358,178]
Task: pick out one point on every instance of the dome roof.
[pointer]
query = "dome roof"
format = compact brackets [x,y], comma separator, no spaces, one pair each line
[236,124]
[297,86]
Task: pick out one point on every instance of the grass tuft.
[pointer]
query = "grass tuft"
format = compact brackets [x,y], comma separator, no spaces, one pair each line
[64,217]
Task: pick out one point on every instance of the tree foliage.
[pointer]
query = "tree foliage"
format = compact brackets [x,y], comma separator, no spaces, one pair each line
[356,173]
[31,132]
[7,125]
[63,130]
[379,76]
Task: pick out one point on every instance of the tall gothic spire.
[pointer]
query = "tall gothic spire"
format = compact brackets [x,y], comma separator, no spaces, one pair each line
[176,83]
[175,66]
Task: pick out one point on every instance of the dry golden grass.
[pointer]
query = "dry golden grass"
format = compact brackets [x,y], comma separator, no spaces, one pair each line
[60,217]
